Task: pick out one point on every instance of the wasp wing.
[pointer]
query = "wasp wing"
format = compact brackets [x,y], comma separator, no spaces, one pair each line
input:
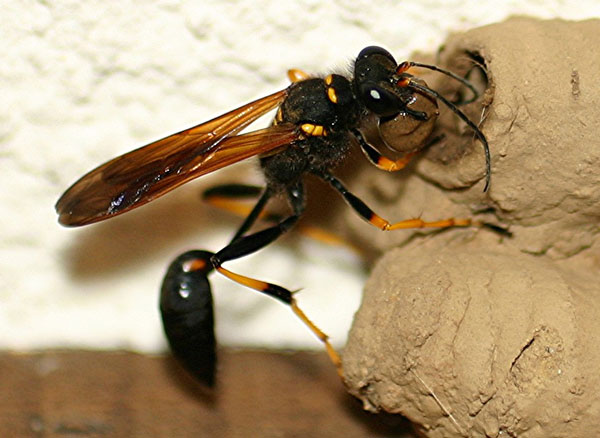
[138,177]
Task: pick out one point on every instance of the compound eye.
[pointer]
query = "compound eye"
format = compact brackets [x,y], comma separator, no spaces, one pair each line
[373,65]
[379,100]
[367,52]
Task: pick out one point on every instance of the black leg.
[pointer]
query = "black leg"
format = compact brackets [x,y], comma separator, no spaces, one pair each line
[374,219]
[223,195]
[232,191]
[254,214]
[245,245]
[228,196]
[242,245]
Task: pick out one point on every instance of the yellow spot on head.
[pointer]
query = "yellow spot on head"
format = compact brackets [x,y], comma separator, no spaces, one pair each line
[328,80]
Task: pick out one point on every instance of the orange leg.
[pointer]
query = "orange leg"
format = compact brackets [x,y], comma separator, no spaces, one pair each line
[229,197]
[295,75]
[285,295]
[243,244]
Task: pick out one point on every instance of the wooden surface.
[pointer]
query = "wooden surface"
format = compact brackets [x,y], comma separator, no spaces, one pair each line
[119,394]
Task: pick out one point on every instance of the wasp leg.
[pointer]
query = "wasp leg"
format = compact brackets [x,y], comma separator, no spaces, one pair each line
[384,163]
[248,244]
[220,196]
[254,242]
[285,296]
[379,160]
[254,214]
[374,219]
[242,245]
[226,197]
[296,75]
[229,197]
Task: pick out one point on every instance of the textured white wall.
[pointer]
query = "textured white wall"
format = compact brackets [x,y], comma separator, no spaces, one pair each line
[84,81]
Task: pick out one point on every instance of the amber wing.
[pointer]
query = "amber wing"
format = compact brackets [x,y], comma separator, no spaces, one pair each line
[144,174]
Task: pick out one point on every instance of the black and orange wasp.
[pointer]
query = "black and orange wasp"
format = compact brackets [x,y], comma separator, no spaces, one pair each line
[318,119]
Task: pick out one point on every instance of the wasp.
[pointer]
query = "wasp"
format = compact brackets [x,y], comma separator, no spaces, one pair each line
[317,121]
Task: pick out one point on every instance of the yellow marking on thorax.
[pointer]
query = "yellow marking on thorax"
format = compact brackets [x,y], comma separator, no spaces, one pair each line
[331,94]
[313,130]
